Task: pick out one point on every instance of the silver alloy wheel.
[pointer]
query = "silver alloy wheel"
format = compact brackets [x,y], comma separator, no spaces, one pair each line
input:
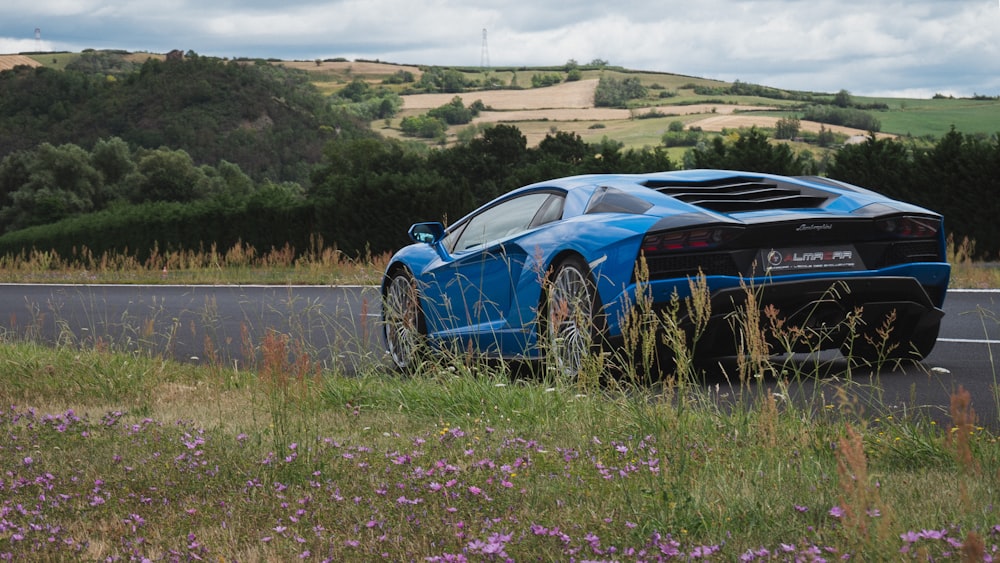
[400,317]
[570,318]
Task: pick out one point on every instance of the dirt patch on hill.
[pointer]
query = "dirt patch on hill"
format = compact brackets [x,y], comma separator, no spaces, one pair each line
[8,62]
[578,94]
[359,68]
[605,114]
[720,122]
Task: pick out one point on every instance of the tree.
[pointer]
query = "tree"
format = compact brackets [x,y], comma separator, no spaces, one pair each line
[751,151]
[424,126]
[787,128]
[228,181]
[960,178]
[60,183]
[611,92]
[112,158]
[166,175]
[825,138]
[454,112]
[357,91]
[884,165]
[564,147]
[15,171]
[842,99]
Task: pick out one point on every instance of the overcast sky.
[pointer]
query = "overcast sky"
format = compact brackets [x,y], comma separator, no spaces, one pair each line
[868,47]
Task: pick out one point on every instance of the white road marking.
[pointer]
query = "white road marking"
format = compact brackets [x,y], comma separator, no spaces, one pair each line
[969,341]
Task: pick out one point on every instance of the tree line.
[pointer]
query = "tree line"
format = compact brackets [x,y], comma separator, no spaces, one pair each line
[362,196]
[365,192]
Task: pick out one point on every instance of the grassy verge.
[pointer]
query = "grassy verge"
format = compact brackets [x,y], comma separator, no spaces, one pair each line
[116,456]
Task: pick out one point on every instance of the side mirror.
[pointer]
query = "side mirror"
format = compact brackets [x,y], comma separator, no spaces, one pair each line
[428,233]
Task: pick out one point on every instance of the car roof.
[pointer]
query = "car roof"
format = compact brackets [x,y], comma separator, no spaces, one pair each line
[725,191]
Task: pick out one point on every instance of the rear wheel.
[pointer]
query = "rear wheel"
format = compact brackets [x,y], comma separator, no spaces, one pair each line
[401,319]
[571,308]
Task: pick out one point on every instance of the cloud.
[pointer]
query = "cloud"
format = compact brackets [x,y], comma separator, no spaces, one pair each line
[858,45]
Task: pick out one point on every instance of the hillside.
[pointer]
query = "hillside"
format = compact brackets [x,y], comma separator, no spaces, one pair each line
[268,120]
[569,106]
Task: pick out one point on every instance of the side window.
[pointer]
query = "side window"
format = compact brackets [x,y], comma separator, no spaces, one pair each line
[551,210]
[613,200]
[501,221]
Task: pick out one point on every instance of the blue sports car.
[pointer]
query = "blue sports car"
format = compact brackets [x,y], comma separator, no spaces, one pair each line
[550,270]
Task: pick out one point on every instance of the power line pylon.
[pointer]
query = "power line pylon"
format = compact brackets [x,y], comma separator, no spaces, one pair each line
[484,57]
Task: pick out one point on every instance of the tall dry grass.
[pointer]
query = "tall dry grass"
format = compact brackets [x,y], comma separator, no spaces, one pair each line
[239,264]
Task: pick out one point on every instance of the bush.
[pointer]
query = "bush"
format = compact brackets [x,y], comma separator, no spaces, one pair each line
[455,112]
[423,126]
[543,80]
[845,117]
[611,92]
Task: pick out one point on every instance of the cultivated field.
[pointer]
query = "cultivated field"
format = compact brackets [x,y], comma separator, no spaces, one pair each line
[8,62]
[570,107]
[361,68]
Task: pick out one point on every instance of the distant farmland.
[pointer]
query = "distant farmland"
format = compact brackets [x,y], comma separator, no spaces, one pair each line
[8,62]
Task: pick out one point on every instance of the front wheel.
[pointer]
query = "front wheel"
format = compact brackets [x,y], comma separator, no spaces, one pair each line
[401,319]
[571,308]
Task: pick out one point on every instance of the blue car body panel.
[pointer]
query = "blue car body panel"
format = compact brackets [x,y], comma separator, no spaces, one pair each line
[487,298]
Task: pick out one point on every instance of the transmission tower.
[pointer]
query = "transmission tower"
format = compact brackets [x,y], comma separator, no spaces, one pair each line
[484,57]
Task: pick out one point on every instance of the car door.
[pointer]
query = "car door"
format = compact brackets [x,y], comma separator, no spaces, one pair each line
[474,284]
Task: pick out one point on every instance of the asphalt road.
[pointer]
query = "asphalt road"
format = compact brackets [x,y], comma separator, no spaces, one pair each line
[339,324]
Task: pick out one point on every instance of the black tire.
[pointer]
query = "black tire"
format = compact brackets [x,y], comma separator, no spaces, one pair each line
[402,320]
[571,321]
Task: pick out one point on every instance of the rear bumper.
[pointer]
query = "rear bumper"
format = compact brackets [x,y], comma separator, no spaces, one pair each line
[825,311]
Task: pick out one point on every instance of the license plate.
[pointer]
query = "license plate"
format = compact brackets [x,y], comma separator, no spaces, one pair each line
[838,258]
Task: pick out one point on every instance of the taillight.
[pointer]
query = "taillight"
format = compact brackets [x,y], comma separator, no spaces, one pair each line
[688,240]
[909,227]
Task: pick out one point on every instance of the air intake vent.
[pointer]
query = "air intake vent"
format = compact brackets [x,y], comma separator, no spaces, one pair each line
[733,194]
